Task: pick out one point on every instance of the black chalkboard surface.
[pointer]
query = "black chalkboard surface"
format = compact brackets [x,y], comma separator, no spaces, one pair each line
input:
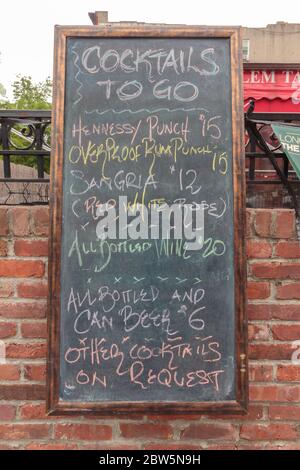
[146,118]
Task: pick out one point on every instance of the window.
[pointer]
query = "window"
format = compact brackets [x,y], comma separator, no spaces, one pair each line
[246,49]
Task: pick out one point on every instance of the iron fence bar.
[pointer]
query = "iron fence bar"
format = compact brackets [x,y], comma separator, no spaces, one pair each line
[252,158]
[24,180]
[25,153]
[286,167]
[270,182]
[26,113]
[262,144]
[262,155]
[5,145]
[287,117]
[39,144]
[291,172]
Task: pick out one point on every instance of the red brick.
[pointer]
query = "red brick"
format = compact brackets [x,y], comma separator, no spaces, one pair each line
[284,412]
[9,372]
[276,270]
[259,249]
[34,330]
[287,249]
[258,290]
[84,432]
[35,372]
[110,446]
[271,351]
[9,447]
[154,431]
[20,222]
[274,393]
[22,392]
[258,332]
[32,290]
[286,312]
[254,413]
[158,418]
[31,247]
[209,431]
[259,311]
[274,311]
[3,248]
[26,351]
[171,446]
[284,226]
[7,330]
[280,446]
[3,221]
[33,411]
[249,223]
[7,412]
[252,446]
[40,221]
[6,288]
[23,309]
[260,373]
[269,395]
[263,432]
[221,447]
[24,431]
[21,268]
[286,332]
[262,223]
[51,446]
[288,373]
[122,417]
[288,291]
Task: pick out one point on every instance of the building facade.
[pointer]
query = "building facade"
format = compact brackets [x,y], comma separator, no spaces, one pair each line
[272,67]
[276,43]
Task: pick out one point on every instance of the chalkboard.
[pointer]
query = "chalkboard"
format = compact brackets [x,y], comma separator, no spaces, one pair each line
[146,120]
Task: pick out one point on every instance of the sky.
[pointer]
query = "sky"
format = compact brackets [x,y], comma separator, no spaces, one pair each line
[27,26]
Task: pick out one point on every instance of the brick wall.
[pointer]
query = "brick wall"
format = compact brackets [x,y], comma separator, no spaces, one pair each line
[274,323]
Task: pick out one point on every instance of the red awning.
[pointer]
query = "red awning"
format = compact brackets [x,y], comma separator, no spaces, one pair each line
[273,90]
[274,106]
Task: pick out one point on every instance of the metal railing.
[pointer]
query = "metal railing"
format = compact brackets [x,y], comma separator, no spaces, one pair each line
[256,150]
[271,181]
[26,135]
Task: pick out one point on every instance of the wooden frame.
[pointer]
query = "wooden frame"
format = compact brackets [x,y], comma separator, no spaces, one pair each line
[54,405]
